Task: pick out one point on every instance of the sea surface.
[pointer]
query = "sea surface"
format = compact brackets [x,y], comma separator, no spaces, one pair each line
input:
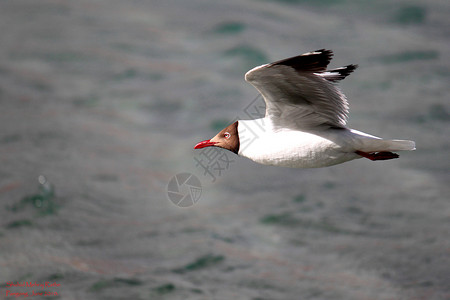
[101,103]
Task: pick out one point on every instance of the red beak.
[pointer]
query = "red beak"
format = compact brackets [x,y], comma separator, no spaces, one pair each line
[204,144]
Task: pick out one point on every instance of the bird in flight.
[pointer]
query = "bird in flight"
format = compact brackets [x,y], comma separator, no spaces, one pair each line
[305,120]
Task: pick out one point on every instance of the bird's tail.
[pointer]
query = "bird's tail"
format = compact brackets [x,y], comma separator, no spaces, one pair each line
[369,143]
[381,149]
[375,148]
[380,145]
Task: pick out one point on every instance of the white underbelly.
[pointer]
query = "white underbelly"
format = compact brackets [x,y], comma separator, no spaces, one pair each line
[296,149]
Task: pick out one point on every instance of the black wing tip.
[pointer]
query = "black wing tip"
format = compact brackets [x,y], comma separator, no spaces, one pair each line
[339,73]
[327,52]
[314,61]
[345,71]
[351,67]
[322,54]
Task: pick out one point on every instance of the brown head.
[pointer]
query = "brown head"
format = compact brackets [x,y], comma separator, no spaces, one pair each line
[228,139]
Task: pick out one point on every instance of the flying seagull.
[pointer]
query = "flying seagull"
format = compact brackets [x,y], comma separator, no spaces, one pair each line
[305,121]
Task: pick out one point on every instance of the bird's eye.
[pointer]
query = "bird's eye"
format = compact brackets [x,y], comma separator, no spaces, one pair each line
[226,135]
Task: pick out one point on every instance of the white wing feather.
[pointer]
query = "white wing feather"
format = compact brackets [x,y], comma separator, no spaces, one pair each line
[302,96]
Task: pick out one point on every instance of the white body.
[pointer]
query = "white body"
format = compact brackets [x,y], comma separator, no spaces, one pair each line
[260,142]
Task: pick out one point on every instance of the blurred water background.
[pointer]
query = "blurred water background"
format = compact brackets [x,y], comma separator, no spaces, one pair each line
[102,103]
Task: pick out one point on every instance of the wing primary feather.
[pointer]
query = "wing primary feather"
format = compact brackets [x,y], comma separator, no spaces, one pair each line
[338,73]
[315,61]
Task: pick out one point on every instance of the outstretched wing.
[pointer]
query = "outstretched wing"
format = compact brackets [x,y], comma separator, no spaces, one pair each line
[300,93]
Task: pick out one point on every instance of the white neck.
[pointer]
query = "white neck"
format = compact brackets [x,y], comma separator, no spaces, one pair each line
[250,130]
